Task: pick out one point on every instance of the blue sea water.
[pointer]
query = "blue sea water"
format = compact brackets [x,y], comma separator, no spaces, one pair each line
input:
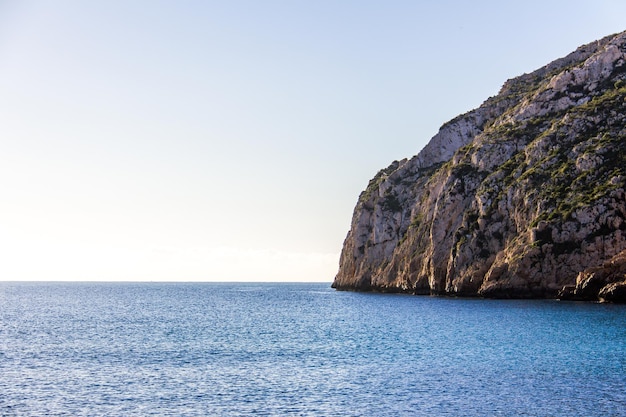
[153,349]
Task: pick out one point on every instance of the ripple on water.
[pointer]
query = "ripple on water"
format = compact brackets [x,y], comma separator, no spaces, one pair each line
[302,349]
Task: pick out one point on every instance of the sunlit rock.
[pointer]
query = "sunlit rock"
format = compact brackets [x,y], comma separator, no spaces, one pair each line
[514,199]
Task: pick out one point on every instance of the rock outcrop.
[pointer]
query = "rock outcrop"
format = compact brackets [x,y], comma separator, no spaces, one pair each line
[515,199]
[606,282]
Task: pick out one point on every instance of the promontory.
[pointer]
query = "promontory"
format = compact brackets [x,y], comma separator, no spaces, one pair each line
[523,197]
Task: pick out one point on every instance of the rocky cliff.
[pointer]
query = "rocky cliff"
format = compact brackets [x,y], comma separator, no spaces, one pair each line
[522,197]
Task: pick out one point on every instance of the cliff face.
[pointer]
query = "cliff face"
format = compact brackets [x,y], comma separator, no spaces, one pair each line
[513,199]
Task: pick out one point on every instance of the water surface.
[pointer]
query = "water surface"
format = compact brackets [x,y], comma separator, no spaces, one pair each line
[89,349]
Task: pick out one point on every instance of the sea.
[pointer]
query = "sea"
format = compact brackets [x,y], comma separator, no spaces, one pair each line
[247,349]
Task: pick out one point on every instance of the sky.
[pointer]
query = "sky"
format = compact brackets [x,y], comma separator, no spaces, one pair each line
[152,140]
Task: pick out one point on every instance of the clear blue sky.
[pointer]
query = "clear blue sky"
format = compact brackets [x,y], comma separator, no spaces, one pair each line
[229,140]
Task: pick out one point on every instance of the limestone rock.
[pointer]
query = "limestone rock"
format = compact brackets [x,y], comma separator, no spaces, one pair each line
[513,199]
[615,293]
[606,282]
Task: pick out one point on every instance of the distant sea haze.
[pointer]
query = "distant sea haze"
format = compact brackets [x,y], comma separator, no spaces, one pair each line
[105,349]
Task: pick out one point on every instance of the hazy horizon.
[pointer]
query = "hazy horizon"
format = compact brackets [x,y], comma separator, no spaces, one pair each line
[229,141]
